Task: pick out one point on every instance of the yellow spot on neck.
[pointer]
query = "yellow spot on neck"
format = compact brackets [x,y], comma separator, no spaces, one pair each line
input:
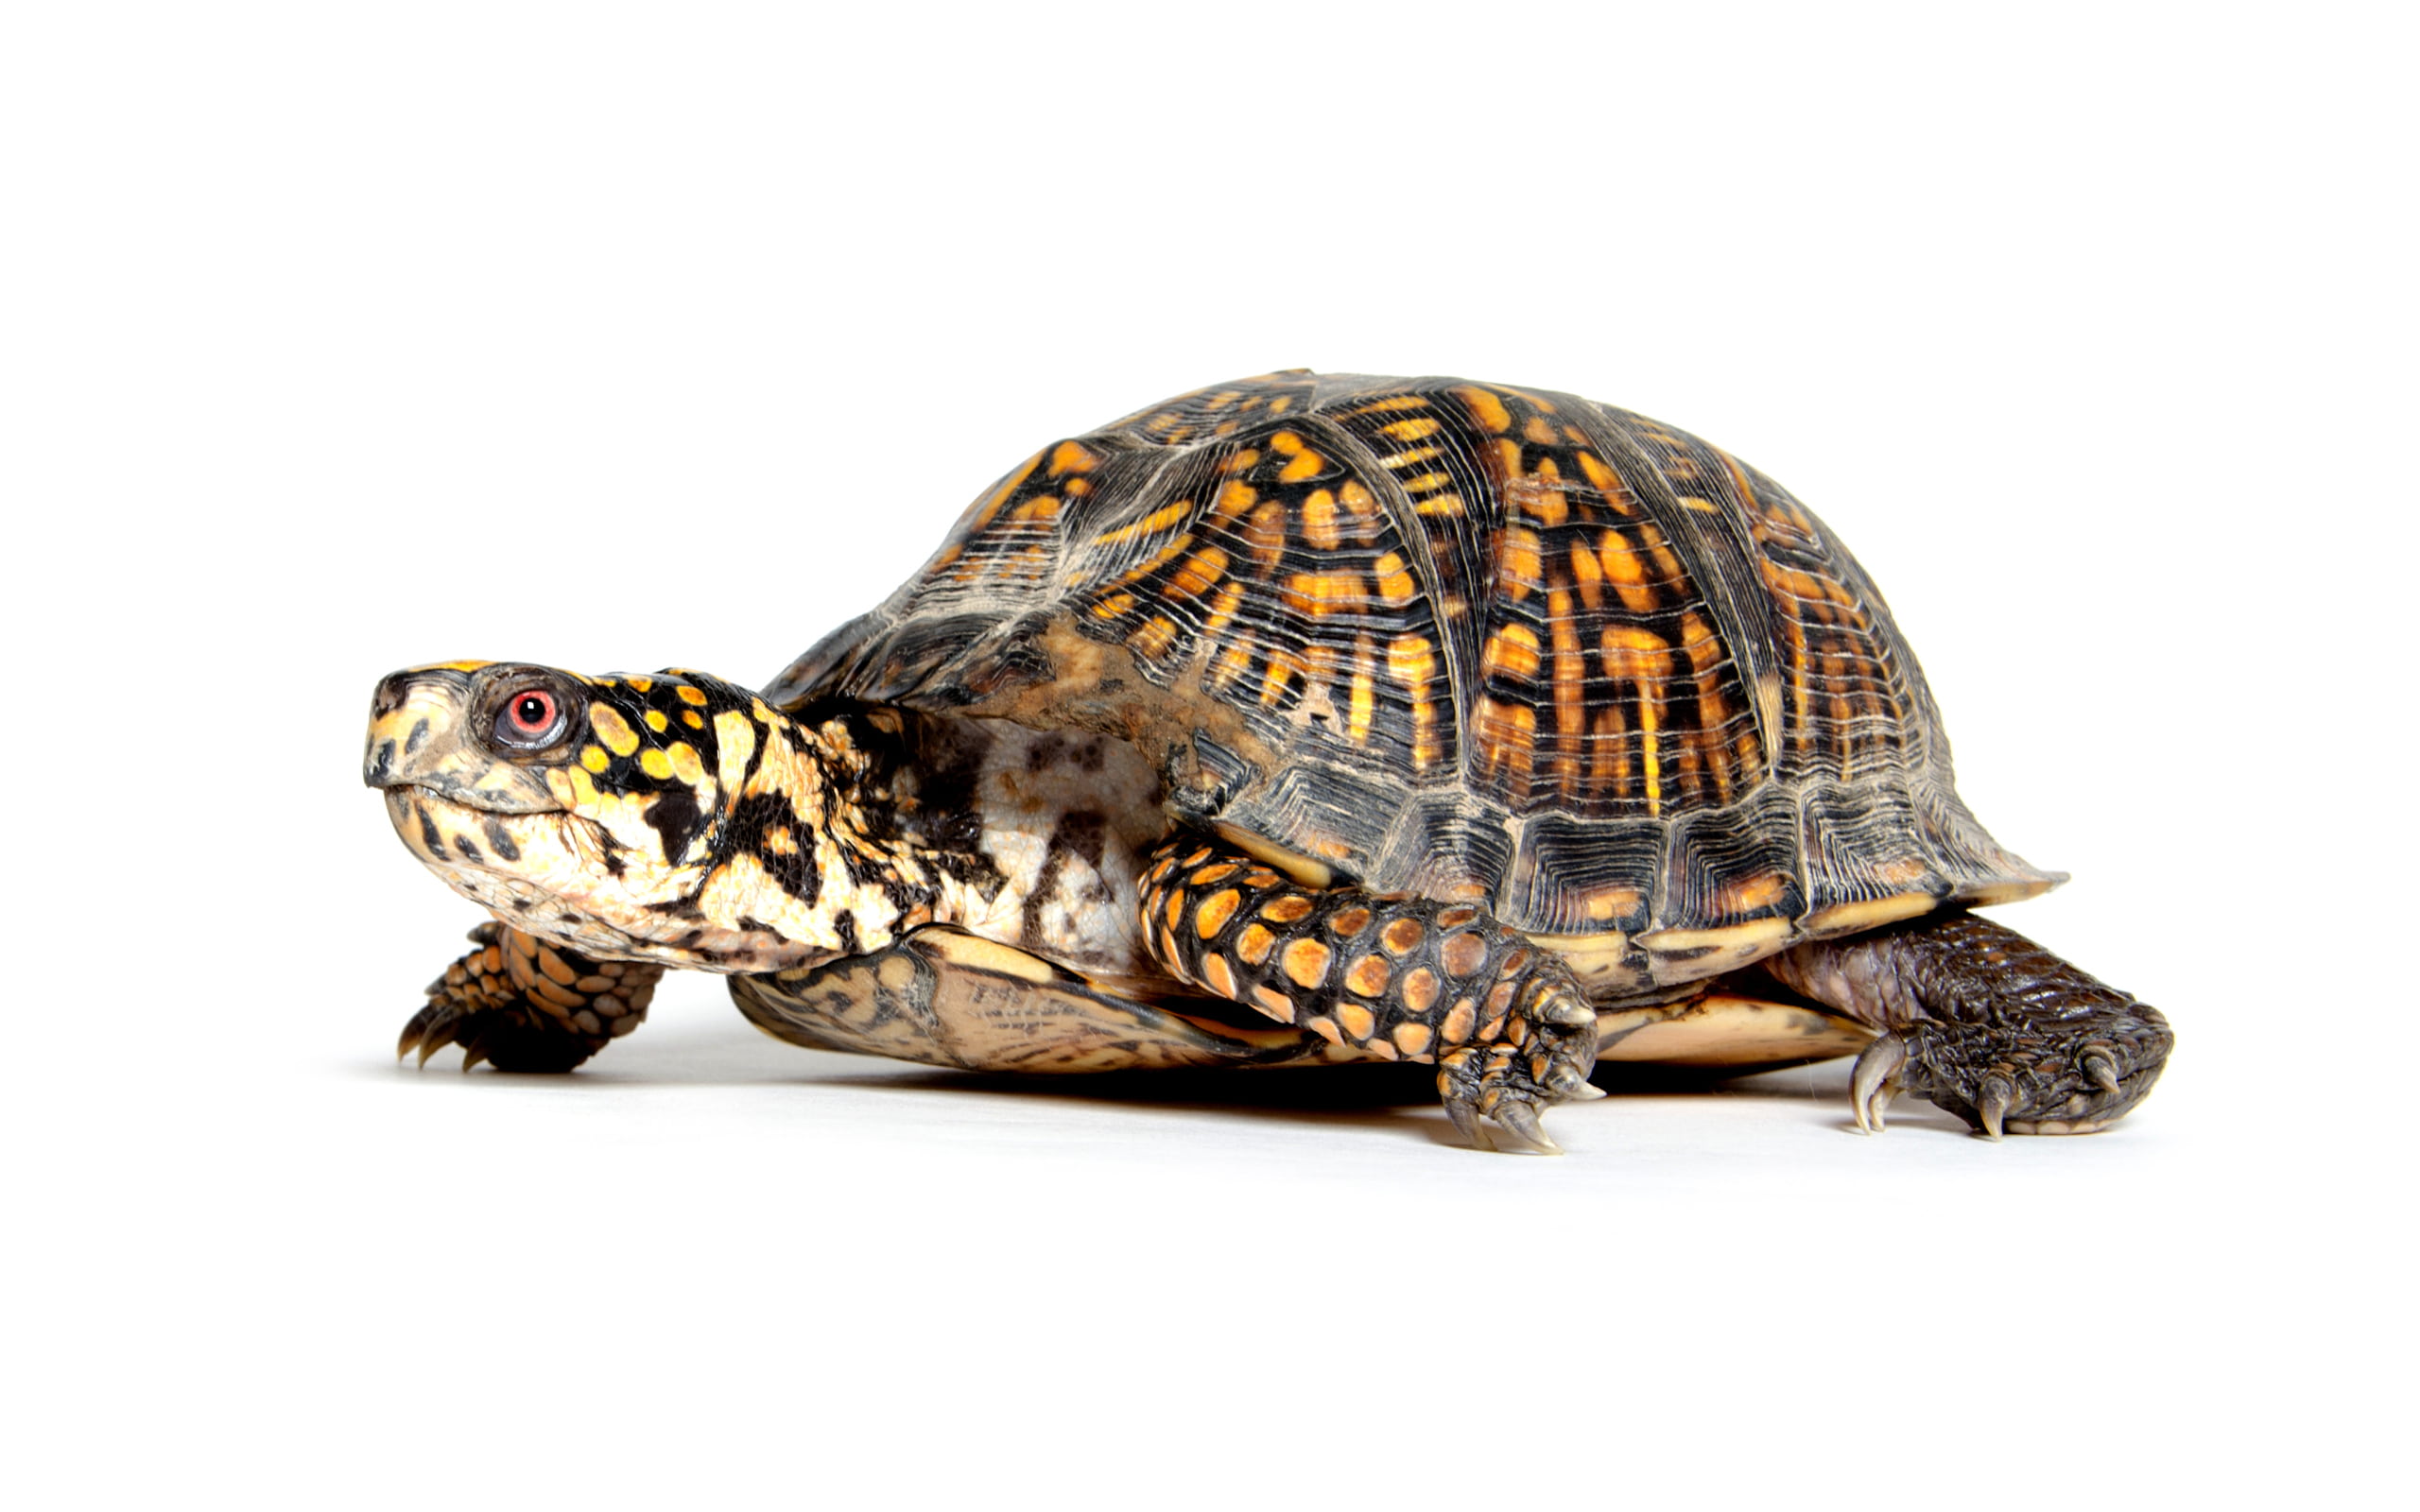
[613,729]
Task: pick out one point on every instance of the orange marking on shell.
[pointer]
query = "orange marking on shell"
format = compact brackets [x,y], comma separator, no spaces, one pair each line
[1068,456]
[1152,524]
[1521,569]
[1507,734]
[1237,498]
[1315,594]
[1411,661]
[1198,573]
[1369,975]
[1361,706]
[1214,912]
[1623,569]
[1282,668]
[1319,520]
[1264,534]
[1153,640]
[1306,962]
[1485,408]
[1397,585]
[1514,649]
[990,507]
[1416,428]
[1230,664]
[1356,1020]
[1303,466]
[1752,894]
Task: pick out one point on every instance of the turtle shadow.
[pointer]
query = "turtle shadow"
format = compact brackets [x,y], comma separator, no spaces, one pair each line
[1379,1097]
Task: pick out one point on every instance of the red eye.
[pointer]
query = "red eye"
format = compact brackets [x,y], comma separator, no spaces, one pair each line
[530,719]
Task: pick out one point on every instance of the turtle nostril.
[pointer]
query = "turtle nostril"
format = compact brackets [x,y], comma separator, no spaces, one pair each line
[381,765]
[390,695]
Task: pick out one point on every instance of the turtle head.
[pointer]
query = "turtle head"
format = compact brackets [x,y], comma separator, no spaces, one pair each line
[602,810]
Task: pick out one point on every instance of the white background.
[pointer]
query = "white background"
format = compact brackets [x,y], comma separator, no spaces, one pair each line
[343,338]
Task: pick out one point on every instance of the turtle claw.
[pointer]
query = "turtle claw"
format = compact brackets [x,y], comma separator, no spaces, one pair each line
[1878,1079]
[1567,1083]
[1520,1119]
[1466,1116]
[1999,1094]
[2101,1067]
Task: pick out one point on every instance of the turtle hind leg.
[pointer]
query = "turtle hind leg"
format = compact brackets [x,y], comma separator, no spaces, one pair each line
[522,1004]
[1980,1021]
[1394,977]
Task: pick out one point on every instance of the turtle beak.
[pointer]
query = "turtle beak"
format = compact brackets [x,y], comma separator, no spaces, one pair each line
[419,737]
[408,707]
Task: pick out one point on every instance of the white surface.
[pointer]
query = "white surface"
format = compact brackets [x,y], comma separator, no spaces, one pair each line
[338,339]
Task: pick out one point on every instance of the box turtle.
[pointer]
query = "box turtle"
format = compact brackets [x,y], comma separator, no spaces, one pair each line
[1300,720]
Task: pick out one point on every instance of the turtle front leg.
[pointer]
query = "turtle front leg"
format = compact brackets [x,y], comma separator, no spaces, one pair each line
[1982,1022]
[1398,978]
[524,1004]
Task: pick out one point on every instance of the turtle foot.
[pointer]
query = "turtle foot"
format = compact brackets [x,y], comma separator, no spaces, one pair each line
[2012,1077]
[522,1004]
[1543,1060]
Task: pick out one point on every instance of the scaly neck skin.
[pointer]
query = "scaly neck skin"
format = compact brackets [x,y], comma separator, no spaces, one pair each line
[812,847]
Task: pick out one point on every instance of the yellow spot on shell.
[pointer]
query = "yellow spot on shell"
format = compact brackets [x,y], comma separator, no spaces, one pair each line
[1198,571]
[1319,520]
[1153,640]
[1152,524]
[1512,649]
[1486,408]
[1070,457]
[1312,594]
[1397,585]
[613,729]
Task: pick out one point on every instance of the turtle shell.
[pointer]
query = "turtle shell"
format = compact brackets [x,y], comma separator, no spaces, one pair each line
[1465,640]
